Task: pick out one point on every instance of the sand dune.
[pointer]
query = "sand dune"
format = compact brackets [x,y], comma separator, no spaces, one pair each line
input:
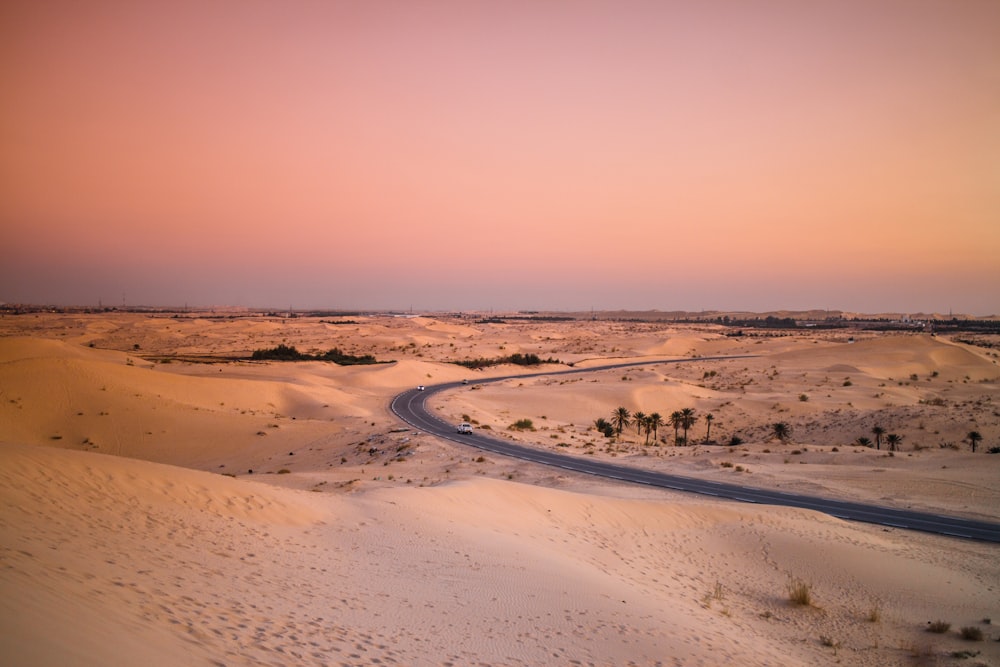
[379,546]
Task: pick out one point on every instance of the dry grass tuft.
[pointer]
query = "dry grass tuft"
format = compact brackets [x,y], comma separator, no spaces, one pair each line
[800,593]
[938,627]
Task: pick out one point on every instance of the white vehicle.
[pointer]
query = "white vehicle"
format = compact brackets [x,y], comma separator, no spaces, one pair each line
[420,387]
[464,427]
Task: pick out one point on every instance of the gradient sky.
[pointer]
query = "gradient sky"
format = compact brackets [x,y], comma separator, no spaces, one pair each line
[542,154]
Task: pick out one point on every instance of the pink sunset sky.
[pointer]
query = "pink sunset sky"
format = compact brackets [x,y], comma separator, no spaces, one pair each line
[546,154]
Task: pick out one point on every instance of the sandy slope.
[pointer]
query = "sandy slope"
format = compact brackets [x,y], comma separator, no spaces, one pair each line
[383,547]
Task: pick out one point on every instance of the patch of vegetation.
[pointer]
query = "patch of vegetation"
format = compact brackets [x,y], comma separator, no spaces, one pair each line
[288,353]
[517,359]
[522,425]
[962,655]
[971,633]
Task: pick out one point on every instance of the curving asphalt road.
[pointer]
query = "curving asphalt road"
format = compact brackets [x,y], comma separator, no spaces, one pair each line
[410,406]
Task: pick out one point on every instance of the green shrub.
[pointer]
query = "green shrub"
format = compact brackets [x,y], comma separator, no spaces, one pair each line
[522,425]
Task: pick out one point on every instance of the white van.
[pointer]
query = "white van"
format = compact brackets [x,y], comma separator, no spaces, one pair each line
[465,427]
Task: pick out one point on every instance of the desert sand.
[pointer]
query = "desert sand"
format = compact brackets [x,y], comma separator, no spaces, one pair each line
[158,510]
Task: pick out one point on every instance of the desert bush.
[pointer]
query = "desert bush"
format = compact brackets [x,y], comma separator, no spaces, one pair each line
[874,614]
[284,352]
[735,441]
[803,397]
[938,627]
[523,425]
[284,471]
[799,592]
[993,450]
[971,633]
[517,359]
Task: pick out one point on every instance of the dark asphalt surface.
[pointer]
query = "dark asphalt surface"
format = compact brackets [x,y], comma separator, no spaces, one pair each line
[410,406]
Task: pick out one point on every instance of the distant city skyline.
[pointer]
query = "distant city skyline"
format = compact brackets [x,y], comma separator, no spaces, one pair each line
[721,155]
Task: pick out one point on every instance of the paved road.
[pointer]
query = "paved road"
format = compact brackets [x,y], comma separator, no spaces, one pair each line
[410,406]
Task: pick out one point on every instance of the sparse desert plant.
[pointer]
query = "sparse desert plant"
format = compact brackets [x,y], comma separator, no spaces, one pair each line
[800,592]
[781,431]
[735,441]
[874,614]
[523,425]
[863,442]
[971,633]
[717,594]
[804,398]
[938,627]
[284,471]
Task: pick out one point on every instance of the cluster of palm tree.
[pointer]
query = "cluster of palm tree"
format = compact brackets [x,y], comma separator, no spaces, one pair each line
[894,440]
[649,424]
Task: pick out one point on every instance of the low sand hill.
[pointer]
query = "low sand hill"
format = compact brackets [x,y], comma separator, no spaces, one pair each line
[113,561]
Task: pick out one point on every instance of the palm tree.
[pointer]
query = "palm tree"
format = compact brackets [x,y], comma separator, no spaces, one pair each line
[647,426]
[863,441]
[655,422]
[676,420]
[708,424]
[639,419]
[781,431]
[893,440]
[687,421]
[878,432]
[620,418]
[974,437]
